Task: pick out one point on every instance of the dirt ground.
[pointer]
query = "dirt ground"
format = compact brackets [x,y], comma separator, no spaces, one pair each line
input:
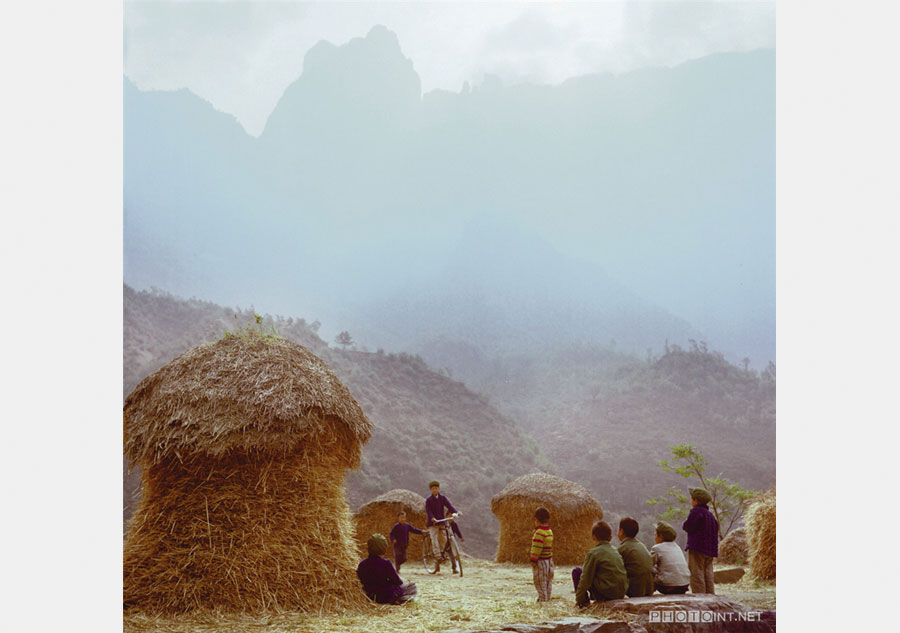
[488,595]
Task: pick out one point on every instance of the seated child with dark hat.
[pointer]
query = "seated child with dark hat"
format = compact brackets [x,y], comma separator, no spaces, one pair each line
[378,577]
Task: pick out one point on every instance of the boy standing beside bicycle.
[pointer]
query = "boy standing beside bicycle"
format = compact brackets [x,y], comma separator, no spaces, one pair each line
[434,510]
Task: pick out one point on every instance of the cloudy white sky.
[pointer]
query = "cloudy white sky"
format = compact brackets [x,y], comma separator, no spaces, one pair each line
[241,56]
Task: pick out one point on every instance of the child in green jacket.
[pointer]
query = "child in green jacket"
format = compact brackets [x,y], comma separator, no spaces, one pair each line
[602,575]
[638,563]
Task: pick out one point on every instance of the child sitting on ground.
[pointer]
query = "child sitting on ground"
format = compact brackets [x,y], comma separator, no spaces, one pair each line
[670,568]
[638,564]
[602,576]
[542,554]
[378,577]
[400,538]
[702,542]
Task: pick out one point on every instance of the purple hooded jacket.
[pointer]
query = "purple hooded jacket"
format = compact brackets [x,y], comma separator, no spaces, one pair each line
[702,530]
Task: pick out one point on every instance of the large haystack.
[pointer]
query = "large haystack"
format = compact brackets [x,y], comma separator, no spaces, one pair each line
[733,548]
[244,445]
[760,523]
[380,515]
[572,513]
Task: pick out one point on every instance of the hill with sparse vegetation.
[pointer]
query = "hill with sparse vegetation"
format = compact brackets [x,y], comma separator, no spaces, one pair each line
[426,424]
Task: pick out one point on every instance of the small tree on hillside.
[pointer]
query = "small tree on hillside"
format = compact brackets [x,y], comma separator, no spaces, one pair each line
[344,339]
[729,500]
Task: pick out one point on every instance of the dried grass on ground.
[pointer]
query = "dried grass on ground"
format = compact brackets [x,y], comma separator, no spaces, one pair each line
[760,523]
[573,512]
[488,596]
[380,515]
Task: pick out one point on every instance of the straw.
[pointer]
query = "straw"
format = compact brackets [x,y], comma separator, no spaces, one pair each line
[760,524]
[380,515]
[573,512]
[244,446]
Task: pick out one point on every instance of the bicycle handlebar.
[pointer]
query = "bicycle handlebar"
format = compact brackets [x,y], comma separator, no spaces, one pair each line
[449,518]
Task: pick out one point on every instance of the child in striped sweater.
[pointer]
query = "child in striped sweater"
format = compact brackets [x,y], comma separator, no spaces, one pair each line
[542,554]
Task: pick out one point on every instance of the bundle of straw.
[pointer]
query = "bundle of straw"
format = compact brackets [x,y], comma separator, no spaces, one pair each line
[380,515]
[760,524]
[244,453]
[573,512]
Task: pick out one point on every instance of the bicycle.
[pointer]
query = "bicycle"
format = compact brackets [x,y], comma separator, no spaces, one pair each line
[449,552]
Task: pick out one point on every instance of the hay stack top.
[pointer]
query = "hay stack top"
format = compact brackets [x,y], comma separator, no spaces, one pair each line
[248,391]
[530,491]
[408,501]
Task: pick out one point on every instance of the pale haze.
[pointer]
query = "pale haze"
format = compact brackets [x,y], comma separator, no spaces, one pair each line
[434,177]
[240,56]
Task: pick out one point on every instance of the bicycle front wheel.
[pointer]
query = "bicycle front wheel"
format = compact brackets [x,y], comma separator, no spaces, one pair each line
[455,555]
[432,564]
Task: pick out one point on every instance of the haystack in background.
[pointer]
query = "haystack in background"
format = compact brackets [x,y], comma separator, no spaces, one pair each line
[244,445]
[380,515]
[760,524]
[572,513]
[733,548]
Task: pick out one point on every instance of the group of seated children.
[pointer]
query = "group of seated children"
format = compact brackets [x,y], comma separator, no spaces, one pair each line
[608,573]
[631,570]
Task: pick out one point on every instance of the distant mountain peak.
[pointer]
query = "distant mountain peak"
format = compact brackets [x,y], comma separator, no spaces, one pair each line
[365,75]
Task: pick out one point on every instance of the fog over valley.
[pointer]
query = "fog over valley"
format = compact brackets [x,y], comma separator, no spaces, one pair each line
[633,208]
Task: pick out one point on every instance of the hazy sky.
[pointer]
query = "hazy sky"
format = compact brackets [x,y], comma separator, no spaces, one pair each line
[241,56]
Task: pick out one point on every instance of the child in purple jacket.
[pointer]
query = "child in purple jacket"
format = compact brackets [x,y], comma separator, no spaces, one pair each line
[702,543]
[400,538]
[378,577]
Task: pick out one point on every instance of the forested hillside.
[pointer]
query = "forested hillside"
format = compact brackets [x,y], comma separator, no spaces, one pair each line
[607,418]
[426,424]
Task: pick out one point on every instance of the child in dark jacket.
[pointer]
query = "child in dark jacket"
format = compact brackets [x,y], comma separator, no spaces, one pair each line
[702,543]
[378,577]
[400,538]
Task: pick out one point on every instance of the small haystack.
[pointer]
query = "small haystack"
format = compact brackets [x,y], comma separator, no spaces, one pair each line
[244,445]
[380,515]
[733,548]
[760,523]
[572,513]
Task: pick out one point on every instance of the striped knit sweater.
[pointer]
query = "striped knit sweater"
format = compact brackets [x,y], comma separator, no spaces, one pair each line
[542,543]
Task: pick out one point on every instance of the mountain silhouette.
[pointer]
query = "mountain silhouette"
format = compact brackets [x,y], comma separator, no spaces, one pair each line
[361,192]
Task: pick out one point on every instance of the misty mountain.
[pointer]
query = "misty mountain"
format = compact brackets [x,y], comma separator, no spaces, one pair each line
[362,200]
[506,293]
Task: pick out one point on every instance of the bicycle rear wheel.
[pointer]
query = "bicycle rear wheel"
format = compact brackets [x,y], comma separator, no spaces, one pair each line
[431,562]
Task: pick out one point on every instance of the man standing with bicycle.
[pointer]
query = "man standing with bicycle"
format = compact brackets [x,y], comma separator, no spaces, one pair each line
[434,510]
